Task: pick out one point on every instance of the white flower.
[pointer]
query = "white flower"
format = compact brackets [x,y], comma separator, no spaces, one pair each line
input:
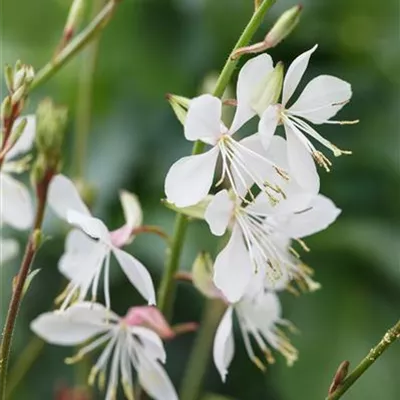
[15,201]
[320,100]
[255,246]
[8,250]
[190,178]
[88,253]
[259,319]
[127,346]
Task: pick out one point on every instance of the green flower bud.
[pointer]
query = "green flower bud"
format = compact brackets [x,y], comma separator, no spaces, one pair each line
[179,105]
[51,122]
[202,272]
[18,95]
[6,108]
[269,90]
[284,26]
[9,77]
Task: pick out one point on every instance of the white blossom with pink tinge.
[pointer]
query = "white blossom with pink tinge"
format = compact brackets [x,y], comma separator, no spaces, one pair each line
[88,249]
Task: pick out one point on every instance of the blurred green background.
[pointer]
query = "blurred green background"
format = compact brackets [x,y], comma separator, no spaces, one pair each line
[154,47]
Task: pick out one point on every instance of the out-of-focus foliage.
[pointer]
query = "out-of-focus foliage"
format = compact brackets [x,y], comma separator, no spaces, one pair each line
[154,47]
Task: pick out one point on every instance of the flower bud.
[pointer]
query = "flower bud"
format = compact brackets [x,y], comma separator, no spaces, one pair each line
[50,128]
[17,132]
[284,26]
[179,105]
[202,276]
[74,18]
[18,95]
[269,90]
[6,108]
[9,77]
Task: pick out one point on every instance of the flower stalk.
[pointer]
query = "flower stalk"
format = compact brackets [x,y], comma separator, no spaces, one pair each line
[390,337]
[166,291]
[17,295]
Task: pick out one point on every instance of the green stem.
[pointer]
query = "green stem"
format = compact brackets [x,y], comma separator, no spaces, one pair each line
[166,292]
[200,355]
[390,337]
[79,42]
[84,103]
[18,289]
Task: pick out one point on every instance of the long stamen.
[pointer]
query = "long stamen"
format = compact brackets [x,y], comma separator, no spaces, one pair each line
[113,379]
[107,281]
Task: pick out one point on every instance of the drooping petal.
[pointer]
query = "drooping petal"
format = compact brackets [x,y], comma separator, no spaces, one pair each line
[301,164]
[25,142]
[224,344]
[93,227]
[203,120]
[322,98]
[58,328]
[155,381]
[219,212]
[15,203]
[233,268]
[8,250]
[250,77]
[294,74]
[63,196]
[151,343]
[137,274]
[189,180]
[320,213]
[267,125]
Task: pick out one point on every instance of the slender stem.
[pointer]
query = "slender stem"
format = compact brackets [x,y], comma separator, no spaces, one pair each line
[200,354]
[166,292]
[18,290]
[390,337]
[85,94]
[80,41]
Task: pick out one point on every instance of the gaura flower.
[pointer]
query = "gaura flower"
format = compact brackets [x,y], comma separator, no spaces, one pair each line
[320,100]
[189,180]
[88,250]
[128,346]
[15,201]
[253,247]
[259,318]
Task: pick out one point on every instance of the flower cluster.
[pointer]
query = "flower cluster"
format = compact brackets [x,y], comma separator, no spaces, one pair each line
[270,196]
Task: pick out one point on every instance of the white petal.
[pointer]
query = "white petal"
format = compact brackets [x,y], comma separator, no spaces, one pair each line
[57,328]
[8,250]
[320,213]
[151,343]
[63,196]
[267,125]
[137,274]
[295,73]
[219,212]
[232,268]
[132,210]
[93,227]
[203,120]
[82,258]
[15,203]
[301,164]
[25,142]
[322,98]
[93,313]
[156,382]
[224,344]
[250,77]
[189,179]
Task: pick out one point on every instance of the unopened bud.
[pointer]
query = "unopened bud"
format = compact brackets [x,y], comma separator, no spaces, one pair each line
[9,77]
[179,105]
[6,108]
[269,90]
[23,76]
[50,128]
[18,65]
[18,95]
[74,18]
[284,26]
[17,132]
[202,272]
[19,78]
